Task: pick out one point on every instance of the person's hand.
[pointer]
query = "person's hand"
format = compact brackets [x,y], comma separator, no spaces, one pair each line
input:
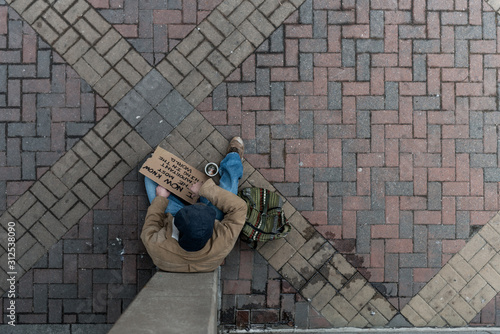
[195,188]
[160,191]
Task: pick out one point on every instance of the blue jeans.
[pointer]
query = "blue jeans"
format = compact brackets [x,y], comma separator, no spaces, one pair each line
[230,170]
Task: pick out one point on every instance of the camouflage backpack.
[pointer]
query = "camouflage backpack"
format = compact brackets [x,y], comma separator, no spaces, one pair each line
[265,219]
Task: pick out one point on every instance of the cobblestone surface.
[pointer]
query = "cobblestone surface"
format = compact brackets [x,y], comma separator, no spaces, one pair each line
[376,120]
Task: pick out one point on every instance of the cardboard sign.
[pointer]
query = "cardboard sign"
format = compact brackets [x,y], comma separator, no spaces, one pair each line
[173,174]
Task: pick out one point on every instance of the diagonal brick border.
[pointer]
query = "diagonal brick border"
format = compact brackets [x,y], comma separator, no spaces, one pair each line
[197,65]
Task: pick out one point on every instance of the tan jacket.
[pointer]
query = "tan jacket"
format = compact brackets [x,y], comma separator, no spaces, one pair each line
[165,250]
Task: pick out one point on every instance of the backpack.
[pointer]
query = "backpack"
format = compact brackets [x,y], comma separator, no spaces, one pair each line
[265,220]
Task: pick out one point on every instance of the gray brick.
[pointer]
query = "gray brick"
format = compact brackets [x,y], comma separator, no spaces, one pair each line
[370,103]
[469,146]
[107,276]
[43,122]
[85,195]
[461,53]
[117,134]
[372,217]
[489,25]
[54,184]
[341,17]
[219,97]
[363,67]
[28,168]
[34,144]
[414,260]
[468,32]
[32,215]
[153,128]
[153,87]
[287,131]
[426,46]
[64,204]
[399,188]
[277,40]
[476,124]
[363,124]
[463,225]
[63,291]
[75,173]
[117,174]
[21,129]
[492,174]
[330,174]
[313,45]
[64,164]
[262,81]
[419,68]
[334,95]
[277,96]
[306,72]
[96,144]
[107,164]
[426,103]
[320,24]
[54,226]
[241,89]
[349,167]
[439,232]
[43,194]
[306,12]
[306,184]
[376,24]
[369,45]
[74,215]
[406,225]
[434,195]
[483,160]
[392,95]
[107,123]
[74,129]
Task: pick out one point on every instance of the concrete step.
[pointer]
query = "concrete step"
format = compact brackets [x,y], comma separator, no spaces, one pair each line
[173,303]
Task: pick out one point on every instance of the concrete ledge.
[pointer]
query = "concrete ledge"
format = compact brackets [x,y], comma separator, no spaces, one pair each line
[173,303]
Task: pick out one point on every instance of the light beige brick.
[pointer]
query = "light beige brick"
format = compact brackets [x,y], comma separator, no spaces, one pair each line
[451,317]
[383,306]
[342,265]
[353,287]
[55,20]
[251,33]
[491,236]
[180,62]
[97,62]
[97,22]
[53,225]
[491,276]
[241,13]
[358,321]
[138,62]
[76,51]
[220,63]
[21,5]
[241,53]
[268,249]
[284,255]
[312,245]
[200,53]
[66,41]
[292,276]
[302,266]
[437,321]
[221,23]
[43,236]
[462,267]
[210,73]
[295,239]
[361,299]
[482,257]
[62,5]
[76,10]
[86,72]
[323,297]
[495,221]
[107,82]
[117,92]
[413,317]
[34,11]
[117,52]
[262,24]
[312,287]
[88,32]
[442,298]
[45,30]
[107,42]
[481,299]
[210,32]
[269,6]
[231,43]
[333,316]
[190,82]
[373,316]
[170,72]
[495,4]
[281,14]
[128,72]
[432,288]
[228,6]
[463,308]
[32,255]
[423,308]
[473,287]
[340,304]
[452,277]
[472,247]
[322,255]
[200,93]
[190,42]
[333,276]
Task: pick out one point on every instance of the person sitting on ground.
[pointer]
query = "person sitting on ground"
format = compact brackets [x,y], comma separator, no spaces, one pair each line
[197,237]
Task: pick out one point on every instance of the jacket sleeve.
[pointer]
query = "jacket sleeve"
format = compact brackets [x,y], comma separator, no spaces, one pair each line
[233,207]
[155,220]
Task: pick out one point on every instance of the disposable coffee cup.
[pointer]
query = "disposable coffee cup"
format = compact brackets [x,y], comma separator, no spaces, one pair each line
[211,169]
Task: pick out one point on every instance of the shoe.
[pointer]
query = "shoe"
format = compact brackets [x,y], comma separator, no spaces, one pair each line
[236,145]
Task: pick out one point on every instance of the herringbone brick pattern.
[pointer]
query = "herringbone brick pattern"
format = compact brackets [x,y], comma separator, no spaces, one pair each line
[45,107]
[154,28]
[377,120]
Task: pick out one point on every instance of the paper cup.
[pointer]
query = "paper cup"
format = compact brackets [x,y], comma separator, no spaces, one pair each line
[211,169]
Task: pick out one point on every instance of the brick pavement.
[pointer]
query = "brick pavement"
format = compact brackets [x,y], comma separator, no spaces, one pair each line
[332,108]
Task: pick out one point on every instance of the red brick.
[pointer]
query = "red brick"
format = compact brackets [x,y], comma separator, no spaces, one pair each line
[269,117]
[327,60]
[165,16]
[342,74]
[217,117]
[292,168]
[327,117]
[490,196]
[470,203]
[434,81]
[320,81]
[377,253]
[399,245]
[393,17]
[481,217]
[273,174]
[469,89]
[405,167]
[320,200]
[299,88]
[370,160]
[482,46]
[313,102]
[356,203]
[334,40]
[462,167]
[99,3]
[299,146]
[405,53]
[441,174]
[356,88]
[349,224]
[392,210]
[440,60]
[314,160]
[248,131]
[291,52]
[449,210]
[453,246]
[455,74]
[398,74]
[427,217]
[391,153]
[29,48]
[273,293]
[255,103]
[398,131]
[377,86]
[476,182]
[424,275]
[330,232]
[248,69]
[3,20]
[413,145]
[356,31]
[298,31]
[234,110]
[412,203]
[363,182]
[284,74]
[246,265]
[455,188]
[384,231]
[179,31]
[390,44]
[236,287]
[127,30]
[412,88]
